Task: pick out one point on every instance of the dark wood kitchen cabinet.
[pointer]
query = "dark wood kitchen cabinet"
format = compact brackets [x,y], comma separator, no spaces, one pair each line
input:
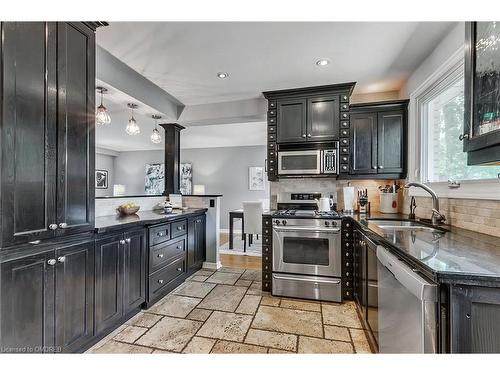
[475,323]
[120,277]
[291,123]
[323,118]
[196,251]
[47,130]
[47,300]
[481,136]
[378,139]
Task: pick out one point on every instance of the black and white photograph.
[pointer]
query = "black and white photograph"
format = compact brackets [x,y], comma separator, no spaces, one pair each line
[186,187]
[101,179]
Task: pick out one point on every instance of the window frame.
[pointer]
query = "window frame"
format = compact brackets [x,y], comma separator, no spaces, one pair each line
[437,82]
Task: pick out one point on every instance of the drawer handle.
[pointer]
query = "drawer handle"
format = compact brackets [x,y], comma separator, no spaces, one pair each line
[53,226]
[51,262]
[160,281]
[159,234]
[63,225]
[179,269]
[160,255]
[61,259]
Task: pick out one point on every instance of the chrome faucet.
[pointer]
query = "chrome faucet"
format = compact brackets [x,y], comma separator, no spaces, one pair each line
[437,217]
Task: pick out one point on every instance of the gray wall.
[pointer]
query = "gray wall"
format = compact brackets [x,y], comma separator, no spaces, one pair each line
[105,162]
[130,169]
[224,170]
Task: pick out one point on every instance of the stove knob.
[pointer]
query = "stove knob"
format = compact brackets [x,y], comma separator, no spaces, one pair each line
[327,224]
[277,222]
[283,222]
[334,224]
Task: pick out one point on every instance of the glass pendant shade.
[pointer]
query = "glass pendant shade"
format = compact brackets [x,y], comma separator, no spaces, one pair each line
[102,116]
[156,136]
[132,127]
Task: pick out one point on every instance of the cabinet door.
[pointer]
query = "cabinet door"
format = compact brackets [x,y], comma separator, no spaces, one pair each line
[390,142]
[323,118]
[291,125]
[364,143]
[108,282]
[372,288]
[359,255]
[475,320]
[76,85]
[74,296]
[134,274]
[196,242]
[28,131]
[27,304]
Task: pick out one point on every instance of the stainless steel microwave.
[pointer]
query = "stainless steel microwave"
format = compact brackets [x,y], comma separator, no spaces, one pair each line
[306,162]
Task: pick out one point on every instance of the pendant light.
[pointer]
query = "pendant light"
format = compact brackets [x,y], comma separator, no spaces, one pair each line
[101,113]
[132,126]
[156,136]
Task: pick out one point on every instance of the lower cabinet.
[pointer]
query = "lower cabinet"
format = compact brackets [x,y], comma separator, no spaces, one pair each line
[196,253]
[475,319]
[120,277]
[47,300]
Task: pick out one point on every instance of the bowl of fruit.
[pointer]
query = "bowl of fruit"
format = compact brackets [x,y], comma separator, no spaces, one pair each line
[129,208]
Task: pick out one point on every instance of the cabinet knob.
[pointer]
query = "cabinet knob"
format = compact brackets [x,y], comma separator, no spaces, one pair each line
[160,281]
[61,259]
[63,225]
[122,242]
[463,136]
[374,167]
[179,269]
[381,167]
[179,247]
[128,240]
[309,135]
[179,228]
[53,226]
[51,262]
[160,255]
[159,234]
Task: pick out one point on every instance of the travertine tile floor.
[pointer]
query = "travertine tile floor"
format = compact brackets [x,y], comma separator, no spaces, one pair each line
[226,312]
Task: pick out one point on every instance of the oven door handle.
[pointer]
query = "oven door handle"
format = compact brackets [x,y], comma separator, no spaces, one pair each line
[322,281]
[308,229]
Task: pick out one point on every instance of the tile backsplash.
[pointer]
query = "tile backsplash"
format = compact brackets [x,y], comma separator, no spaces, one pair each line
[473,214]
[108,206]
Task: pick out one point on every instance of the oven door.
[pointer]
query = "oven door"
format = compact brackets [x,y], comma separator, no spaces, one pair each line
[299,162]
[307,251]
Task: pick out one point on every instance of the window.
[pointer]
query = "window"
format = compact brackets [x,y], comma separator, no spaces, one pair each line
[441,116]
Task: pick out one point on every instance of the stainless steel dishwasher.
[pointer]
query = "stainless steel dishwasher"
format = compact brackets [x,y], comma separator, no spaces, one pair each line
[407,307]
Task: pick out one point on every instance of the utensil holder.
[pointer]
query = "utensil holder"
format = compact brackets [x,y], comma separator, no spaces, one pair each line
[389,203]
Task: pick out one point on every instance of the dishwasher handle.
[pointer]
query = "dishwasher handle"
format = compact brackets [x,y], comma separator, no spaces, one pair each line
[417,285]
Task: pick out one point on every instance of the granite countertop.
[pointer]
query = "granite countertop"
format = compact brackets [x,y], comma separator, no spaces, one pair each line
[454,254]
[114,222]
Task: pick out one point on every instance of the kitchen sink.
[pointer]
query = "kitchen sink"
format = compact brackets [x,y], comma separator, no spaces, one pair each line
[402,225]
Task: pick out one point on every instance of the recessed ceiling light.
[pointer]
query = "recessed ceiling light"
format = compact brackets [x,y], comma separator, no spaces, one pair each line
[222,75]
[322,62]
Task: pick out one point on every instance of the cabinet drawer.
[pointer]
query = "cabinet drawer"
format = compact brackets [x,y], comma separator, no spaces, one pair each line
[271,120]
[344,107]
[348,245]
[266,240]
[346,223]
[347,293]
[271,129]
[162,254]
[348,253]
[344,159]
[271,170]
[344,116]
[344,168]
[266,276]
[160,280]
[344,132]
[266,258]
[271,137]
[179,228]
[159,234]
[266,222]
[266,231]
[266,286]
[344,150]
[266,267]
[271,113]
[344,98]
[344,124]
[271,154]
[344,142]
[271,145]
[266,249]
[271,104]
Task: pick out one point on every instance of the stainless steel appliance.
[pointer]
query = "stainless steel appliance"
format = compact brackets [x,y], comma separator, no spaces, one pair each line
[407,308]
[306,249]
[304,162]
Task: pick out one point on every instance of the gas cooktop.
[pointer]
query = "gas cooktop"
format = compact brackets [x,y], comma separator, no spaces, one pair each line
[313,214]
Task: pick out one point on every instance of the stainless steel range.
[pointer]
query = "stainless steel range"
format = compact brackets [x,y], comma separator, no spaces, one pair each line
[306,249]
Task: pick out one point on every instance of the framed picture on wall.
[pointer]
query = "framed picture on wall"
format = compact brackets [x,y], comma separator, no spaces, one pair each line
[101,179]
[186,187]
[154,183]
[255,178]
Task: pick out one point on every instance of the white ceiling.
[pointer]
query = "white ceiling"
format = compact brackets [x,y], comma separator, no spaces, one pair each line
[184,57]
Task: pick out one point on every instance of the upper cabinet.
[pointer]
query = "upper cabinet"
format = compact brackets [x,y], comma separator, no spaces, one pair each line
[47,130]
[482,93]
[378,140]
[305,118]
